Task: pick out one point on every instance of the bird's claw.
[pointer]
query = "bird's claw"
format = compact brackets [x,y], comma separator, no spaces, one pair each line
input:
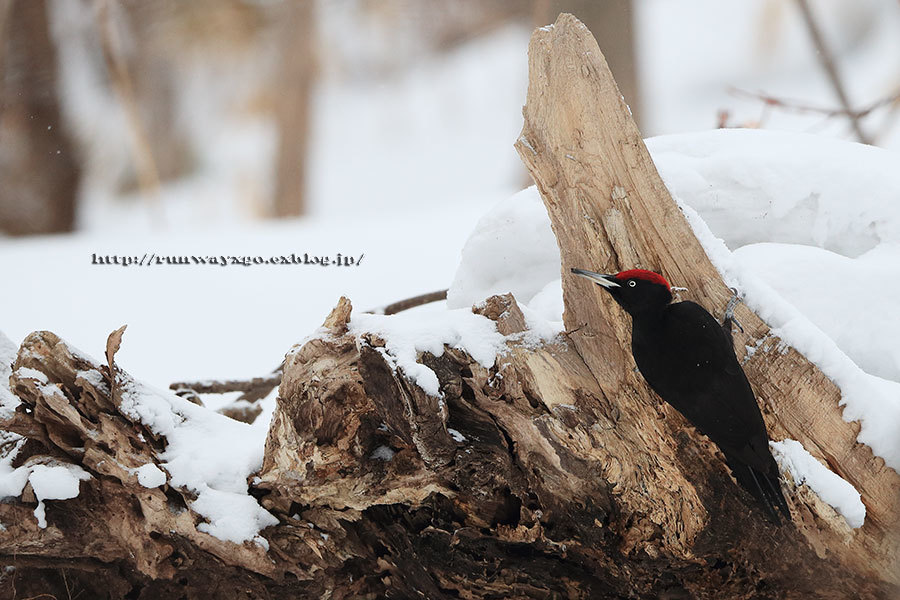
[729,310]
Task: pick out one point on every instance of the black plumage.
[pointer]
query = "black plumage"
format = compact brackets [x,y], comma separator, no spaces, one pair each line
[688,359]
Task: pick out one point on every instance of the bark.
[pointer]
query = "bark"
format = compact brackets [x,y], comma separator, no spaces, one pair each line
[564,476]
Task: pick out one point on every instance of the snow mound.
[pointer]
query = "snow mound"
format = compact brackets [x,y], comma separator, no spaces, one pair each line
[207,453]
[830,290]
[808,228]
[512,249]
[410,333]
[754,186]
[828,485]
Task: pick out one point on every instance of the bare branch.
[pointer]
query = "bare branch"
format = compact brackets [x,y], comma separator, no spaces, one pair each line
[826,59]
[224,387]
[408,303]
[800,107]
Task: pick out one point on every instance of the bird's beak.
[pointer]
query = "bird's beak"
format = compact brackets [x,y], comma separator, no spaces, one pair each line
[607,281]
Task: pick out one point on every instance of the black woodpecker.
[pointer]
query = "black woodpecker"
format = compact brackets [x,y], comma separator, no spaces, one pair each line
[688,359]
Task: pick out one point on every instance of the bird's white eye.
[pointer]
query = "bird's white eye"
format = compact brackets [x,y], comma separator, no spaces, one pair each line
[632,283]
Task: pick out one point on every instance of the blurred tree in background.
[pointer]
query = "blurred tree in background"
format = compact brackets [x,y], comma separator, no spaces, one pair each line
[209,109]
[144,89]
[39,174]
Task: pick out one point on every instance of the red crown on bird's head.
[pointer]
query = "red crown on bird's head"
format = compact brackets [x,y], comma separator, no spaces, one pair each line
[645,275]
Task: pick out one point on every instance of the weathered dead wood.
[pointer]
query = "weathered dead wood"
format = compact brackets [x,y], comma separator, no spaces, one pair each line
[521,481]
[546,483]
[223,387]
[74,416]
[610,210]
[246,407]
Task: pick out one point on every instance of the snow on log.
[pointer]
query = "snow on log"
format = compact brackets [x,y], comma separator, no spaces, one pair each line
[83,420]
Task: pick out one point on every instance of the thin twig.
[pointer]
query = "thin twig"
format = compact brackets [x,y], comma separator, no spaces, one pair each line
[66,583]
[889,120]
[800,107]
[826,59]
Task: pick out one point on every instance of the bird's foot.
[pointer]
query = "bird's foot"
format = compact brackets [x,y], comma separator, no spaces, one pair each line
[729,317]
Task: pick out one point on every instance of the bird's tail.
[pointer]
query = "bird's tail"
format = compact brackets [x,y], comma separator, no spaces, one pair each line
[765,487]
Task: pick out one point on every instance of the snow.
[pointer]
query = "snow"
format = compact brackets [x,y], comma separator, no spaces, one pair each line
[753,186]
[808,228]
[8,351]
[508,251]
[54,482]
[457,436]
[383,453]
[12,480]
[150,476]
[793,458]
[208,454]
[804,274]
[543,314]
[407,334]
[548,303]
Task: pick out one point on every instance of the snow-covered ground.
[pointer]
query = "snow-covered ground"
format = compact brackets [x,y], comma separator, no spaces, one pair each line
[188,322]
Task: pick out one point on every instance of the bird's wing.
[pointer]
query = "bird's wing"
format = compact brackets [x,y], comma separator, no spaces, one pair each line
[707,385]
